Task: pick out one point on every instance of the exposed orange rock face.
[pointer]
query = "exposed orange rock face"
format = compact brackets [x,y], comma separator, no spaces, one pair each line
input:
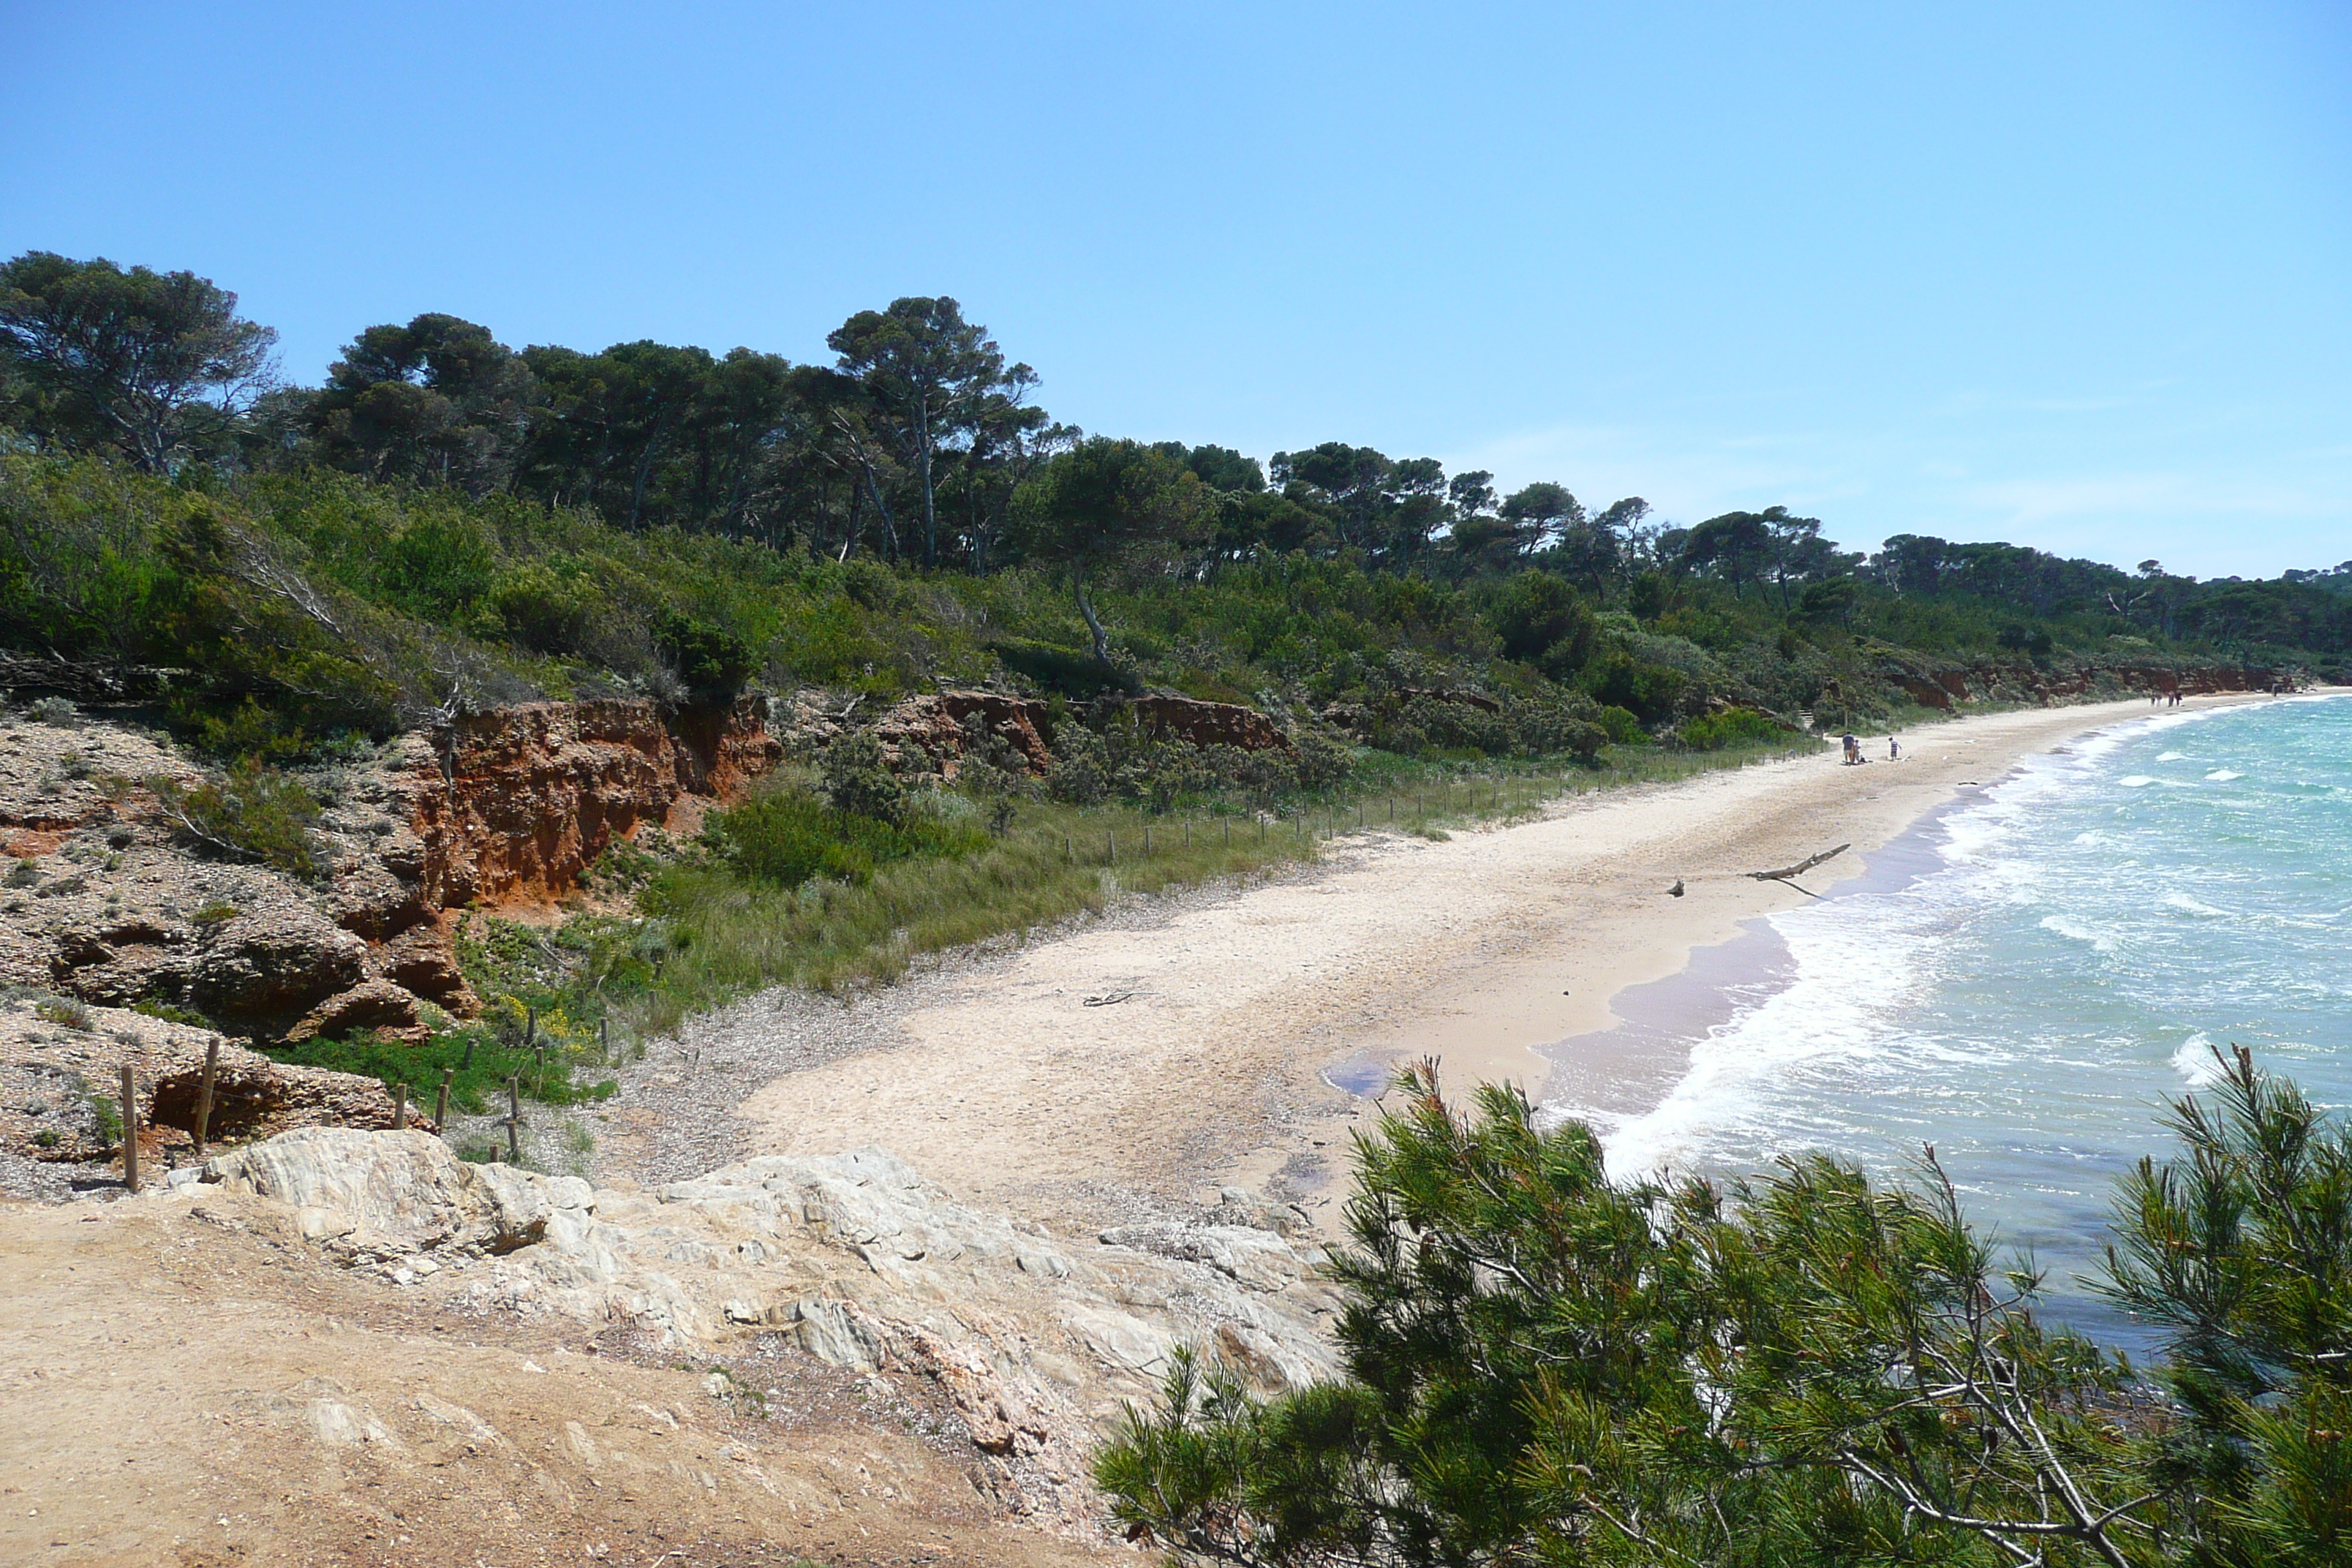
[518,803]
[932,728]
[1209,723]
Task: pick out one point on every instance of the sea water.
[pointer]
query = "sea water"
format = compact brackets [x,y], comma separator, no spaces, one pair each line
[2047,964]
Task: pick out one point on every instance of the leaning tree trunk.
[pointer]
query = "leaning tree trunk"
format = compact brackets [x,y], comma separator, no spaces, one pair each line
[1094,622]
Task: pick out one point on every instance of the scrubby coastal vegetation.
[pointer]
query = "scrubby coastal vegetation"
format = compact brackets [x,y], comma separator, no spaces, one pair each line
[287,577]
[287,620]
[1811,1367]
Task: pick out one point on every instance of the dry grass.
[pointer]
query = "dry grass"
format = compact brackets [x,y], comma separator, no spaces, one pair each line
[728,936]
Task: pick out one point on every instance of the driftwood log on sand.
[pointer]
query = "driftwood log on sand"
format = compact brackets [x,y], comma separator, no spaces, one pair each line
[1788,873]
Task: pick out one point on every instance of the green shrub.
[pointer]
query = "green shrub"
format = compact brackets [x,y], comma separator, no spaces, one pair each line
[1540,619]
[1546,729]
[1649,691]
[252,813]
[216,913]
[106,1111]
[713,661]
[23,874]
[1322,760]
[72,1014]
[1073,672]
[2021,639]
[788,837]
[1121,760]
[1732,727]
[859,781]
[171,1015]
[1621,726]
[480,1061]
[438,565]
[543,610]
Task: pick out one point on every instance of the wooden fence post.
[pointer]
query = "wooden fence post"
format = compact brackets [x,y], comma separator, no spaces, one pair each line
[441,1101]
[130,1128]
[205,1094]
[514,1120]
[400,1107]
[1110,846]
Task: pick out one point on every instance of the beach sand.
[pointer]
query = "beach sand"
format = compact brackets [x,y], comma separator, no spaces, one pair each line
[1008,1088]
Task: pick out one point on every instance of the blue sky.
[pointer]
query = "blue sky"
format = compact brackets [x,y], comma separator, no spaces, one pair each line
[2072,275]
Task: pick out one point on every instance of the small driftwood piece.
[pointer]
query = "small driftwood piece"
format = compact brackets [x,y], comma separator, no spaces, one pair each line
[1790,873]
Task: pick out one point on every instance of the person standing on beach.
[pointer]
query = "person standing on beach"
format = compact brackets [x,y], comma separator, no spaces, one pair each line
[1894,750]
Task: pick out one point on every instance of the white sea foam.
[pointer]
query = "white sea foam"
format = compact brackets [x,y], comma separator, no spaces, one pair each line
[2194,1061]
[2076,930]
[1946,1010]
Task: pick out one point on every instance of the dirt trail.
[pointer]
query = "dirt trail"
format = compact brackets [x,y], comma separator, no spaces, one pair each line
[189,1384]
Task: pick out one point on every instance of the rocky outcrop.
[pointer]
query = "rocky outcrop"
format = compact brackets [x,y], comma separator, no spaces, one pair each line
[102,903]
[512,805]
[1032,1339]
[1208,724]
[59,1062]
[372,1196]
[933,733]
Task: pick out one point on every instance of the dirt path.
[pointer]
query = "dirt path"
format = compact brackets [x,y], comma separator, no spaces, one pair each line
[188,1385]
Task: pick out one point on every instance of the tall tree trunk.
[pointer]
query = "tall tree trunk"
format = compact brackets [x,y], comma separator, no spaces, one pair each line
[1094,622]
[889,529]
[645,472]
[923,459]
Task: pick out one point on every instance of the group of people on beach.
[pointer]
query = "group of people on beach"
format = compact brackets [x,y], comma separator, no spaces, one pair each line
[2169,699]
[1854,759]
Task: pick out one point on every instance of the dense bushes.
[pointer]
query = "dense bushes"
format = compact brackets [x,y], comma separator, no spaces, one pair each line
[251,813]
[787,836]
[310,603]
[1731,727]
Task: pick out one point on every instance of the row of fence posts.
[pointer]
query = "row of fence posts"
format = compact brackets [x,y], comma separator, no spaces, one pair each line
[513,1120]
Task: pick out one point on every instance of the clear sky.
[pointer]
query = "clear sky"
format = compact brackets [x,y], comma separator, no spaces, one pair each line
[2072,274]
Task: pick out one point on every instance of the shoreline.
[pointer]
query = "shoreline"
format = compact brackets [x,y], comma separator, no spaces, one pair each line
[1157,1062]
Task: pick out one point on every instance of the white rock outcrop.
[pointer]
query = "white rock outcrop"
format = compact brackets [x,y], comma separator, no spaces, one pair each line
[1034,1338]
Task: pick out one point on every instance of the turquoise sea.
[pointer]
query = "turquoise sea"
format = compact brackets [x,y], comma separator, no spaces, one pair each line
[2024,979]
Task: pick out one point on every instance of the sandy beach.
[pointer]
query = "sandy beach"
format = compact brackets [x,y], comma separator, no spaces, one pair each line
[1007,1086]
